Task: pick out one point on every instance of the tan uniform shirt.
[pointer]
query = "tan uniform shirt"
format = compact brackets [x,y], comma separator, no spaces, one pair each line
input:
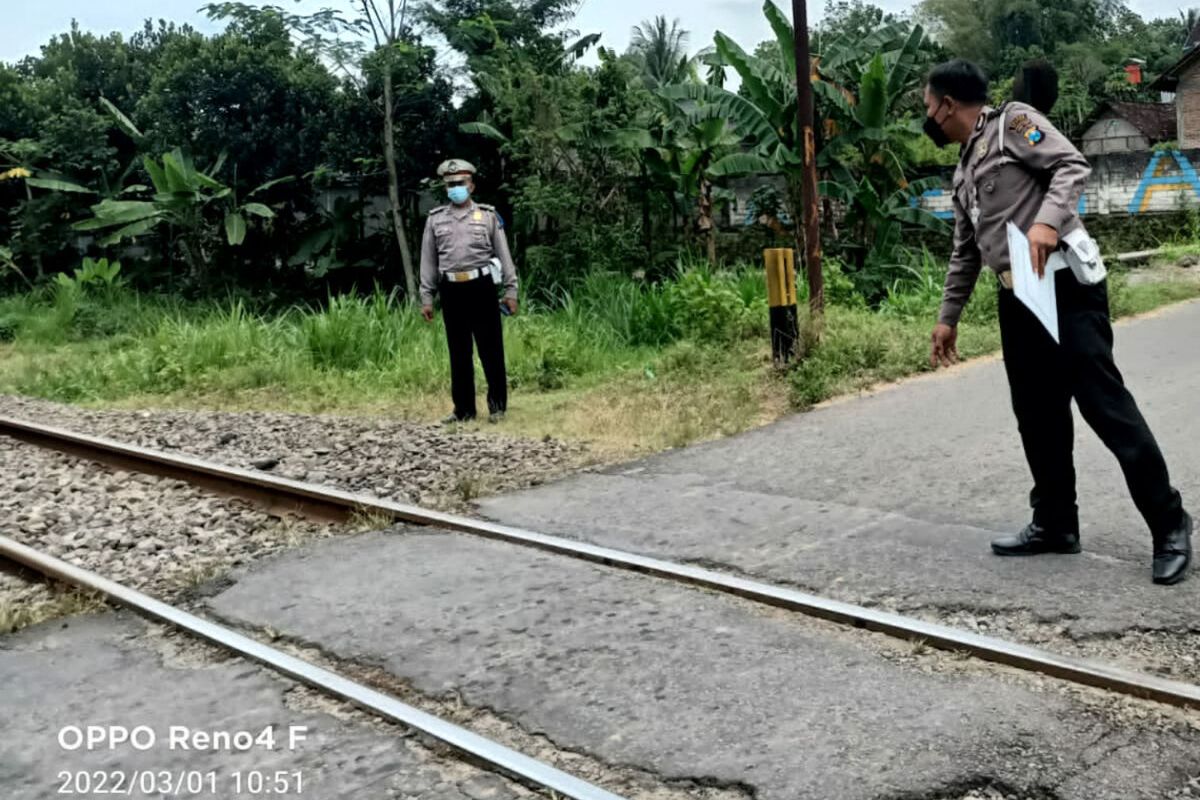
[1038,177]
[462,239]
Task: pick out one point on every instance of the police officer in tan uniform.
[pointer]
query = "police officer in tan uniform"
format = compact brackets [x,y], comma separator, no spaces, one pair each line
[461,241]
[1015,167]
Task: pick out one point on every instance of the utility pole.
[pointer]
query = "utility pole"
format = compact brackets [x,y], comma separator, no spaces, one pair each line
[809,201]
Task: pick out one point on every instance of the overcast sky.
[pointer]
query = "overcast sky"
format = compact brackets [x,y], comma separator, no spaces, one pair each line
[29,23]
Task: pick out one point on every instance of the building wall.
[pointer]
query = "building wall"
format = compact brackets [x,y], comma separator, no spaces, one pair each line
[1113,134]
[1122,184]
[1187,108]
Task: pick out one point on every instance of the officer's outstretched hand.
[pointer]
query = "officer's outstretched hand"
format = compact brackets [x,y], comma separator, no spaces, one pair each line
[1043,240]
[427,313]
[511,302]
[944,348]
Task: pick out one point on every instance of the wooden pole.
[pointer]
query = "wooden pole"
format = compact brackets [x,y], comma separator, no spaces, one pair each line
[809,202]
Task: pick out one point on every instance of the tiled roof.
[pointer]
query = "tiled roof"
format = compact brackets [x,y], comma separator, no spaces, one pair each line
[1156,121]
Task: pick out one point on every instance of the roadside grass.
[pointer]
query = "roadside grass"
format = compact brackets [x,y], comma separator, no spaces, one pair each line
[622,366]
[1153,289]
[61,602]
[1174,252]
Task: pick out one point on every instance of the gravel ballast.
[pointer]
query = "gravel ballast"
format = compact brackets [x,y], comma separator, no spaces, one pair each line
[162,536]
[427,465]
[152,534]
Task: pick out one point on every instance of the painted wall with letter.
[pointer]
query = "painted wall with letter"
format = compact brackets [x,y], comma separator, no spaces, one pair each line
[1121,183]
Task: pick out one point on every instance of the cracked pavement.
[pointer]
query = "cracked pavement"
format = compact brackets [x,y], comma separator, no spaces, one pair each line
[693,686]
[892,498]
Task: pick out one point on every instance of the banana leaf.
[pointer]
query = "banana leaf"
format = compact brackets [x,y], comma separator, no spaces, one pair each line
[235,228]
[130,231]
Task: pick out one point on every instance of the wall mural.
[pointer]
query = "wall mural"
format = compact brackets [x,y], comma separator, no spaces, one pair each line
[1168,171]
[1119,185]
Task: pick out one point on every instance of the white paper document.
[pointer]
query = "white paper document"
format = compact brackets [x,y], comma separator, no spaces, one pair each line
[1036,293]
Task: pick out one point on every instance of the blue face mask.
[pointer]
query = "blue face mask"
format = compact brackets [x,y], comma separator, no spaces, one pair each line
[458,194]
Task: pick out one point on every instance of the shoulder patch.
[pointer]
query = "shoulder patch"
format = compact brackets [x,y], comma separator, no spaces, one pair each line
[1027,128]
[1019,123]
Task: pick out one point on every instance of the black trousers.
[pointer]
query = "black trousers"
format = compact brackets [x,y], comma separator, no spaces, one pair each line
[1045,376]
[472,311]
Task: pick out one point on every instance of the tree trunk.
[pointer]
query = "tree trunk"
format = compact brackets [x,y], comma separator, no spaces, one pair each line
[389,152]
[706,224]
[191,261]
[830,222]
[795,210]
[810,218]
[37,254]
[647,232]
[812,324]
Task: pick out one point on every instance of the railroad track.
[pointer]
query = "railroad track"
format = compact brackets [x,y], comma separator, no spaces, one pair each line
[477,747]
[333,504]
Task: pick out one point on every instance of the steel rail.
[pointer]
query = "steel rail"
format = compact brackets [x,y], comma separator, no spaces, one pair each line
[284,493]
[324,680]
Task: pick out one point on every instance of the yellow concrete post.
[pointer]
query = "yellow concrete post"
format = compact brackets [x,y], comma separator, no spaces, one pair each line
[781,297]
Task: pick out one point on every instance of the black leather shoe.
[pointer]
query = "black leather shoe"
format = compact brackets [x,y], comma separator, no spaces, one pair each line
[1173,554]
[1035,541]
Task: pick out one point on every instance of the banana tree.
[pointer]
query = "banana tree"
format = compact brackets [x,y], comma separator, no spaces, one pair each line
[868,94]
[185,202]
[862,87]
[19,161]
[336,232]
[697,149]
[875,222]
[676,148]
[763,115]
[688,147]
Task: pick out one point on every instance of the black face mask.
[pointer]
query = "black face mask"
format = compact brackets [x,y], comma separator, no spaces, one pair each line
[934,131]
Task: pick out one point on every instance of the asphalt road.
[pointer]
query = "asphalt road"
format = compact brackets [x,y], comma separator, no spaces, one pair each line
[886,499]
[892,498]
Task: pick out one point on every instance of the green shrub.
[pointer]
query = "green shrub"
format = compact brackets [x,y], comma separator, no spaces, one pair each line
[604,304]
[353,332]
[545,353]
[708,307]
[93,303]
[919,295]
[711,307]
[655,317]
[858,348]
[90,344]
[839,287]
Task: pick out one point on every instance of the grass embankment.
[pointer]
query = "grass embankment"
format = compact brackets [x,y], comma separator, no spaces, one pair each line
[626,367]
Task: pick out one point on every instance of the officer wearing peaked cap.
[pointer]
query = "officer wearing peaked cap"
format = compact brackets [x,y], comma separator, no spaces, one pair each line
[459,253]
[1016,167]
